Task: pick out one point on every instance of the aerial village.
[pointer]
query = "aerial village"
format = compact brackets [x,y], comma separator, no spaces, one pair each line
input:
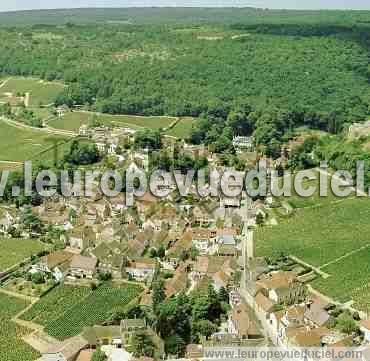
[170,248]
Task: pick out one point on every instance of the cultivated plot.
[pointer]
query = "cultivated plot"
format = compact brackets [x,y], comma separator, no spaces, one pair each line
[333,237]
[15,250]
[182,129]
[20,143]
[12,347]
[40,92]
[73,121]
[66,310]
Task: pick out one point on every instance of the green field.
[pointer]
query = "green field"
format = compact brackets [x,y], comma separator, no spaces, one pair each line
[318,235]
[12,348]
[20,144]
[333,237]
[298,202]
[182,129]
[73,121]
[41,92]
[349,279]
[66,310]
[15,250]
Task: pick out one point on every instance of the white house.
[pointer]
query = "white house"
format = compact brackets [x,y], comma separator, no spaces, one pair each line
[55,264]
[240,142]
[6,222]
[141,269]
[100,146]
[84,131]
[202,240]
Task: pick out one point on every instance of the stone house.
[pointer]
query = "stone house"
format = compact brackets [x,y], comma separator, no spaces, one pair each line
[141,269]
[111,259]
[56,264]
[83,267]
[129,327]
[240,324]
[282,287]
[97,336]
[202,240]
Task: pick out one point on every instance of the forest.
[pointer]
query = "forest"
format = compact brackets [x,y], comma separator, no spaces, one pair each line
[264,72]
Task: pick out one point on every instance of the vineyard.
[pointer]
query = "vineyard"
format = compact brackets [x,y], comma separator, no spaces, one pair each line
[298,202]
[16,250]
[352,282]
[73,120]
[41,92]
[12,348]
[318,235]
[333,237]
[66,310]
[182,129]
[55,303]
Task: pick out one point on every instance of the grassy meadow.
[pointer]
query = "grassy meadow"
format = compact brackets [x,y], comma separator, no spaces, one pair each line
[72,121]
[15,250]
[182,129]
[20,144]
[41,92]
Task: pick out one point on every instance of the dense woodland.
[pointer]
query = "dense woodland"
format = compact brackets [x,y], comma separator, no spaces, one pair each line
[261,73]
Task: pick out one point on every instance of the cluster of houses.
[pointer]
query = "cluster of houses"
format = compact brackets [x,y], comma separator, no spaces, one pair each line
[292,315]
[197,241]
[107,139]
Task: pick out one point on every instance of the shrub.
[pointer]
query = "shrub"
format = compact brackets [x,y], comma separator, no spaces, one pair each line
[37,278]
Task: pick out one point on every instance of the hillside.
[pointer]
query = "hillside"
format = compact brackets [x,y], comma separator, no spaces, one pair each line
[280,69]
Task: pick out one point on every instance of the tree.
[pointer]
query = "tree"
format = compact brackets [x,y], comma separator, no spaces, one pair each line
[260,219]
[194,253]
[148,138]
[158,294]
[104,276]
[30,221]
[346,323]
[174,345]
[223,295]
[142,345]
[203,328]
[99,355]
[82,154]
[153,253]
[173,317]
[161,251]
[240,121]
